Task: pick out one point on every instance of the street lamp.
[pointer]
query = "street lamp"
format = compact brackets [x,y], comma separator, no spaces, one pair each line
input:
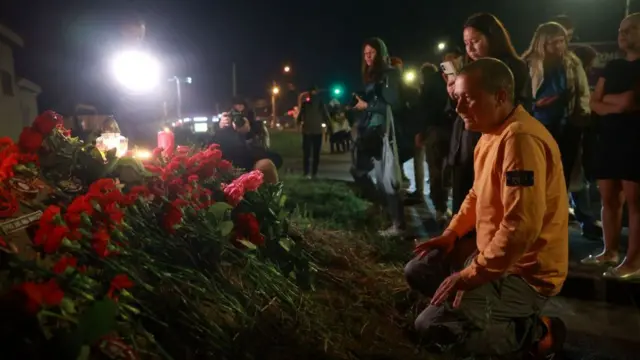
[409,76]
[442,46]
[287,69]
[275,90]
[137,71]
[178,80]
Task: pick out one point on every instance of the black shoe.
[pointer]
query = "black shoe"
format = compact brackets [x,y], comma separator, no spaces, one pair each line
[414,198]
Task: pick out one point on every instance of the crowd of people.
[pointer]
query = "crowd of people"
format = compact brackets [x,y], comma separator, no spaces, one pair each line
[517,139]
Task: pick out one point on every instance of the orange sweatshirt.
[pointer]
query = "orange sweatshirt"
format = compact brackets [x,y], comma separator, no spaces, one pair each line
[518,206]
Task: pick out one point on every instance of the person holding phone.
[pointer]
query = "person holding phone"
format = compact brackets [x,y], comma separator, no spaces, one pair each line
[374,146]
[484,36]
[561,90]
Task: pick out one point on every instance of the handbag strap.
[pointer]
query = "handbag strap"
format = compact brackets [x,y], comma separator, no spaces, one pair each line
[391,129]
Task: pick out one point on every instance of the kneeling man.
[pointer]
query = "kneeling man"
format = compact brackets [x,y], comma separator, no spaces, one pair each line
[499,281]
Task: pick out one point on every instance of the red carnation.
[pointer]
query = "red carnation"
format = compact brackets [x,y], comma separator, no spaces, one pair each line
[64,263]
[46,122]
[43,294]
[8,203]
[119,282]
[30,140]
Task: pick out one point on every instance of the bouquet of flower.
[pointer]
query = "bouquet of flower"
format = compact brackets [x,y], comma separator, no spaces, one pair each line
[174,261]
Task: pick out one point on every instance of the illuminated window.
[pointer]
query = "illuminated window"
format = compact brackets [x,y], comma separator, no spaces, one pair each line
[200,127]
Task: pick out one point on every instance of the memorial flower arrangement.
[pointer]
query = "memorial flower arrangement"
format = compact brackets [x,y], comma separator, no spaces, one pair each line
[168,258]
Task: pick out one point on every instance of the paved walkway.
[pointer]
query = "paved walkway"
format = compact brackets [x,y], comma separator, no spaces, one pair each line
[602,316]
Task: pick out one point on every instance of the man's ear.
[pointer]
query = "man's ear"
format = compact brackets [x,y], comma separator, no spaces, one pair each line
[501,96]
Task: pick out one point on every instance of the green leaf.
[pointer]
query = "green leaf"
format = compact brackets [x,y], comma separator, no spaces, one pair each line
[97,321]
[226,227]
[67,305]
[287,243]
[249,245]
[219,209]
[283,200]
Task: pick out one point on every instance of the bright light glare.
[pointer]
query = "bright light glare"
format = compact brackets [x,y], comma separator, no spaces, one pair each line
[189,80]
[275,90]
[142,154]
[201,127]
[287,69]
[410,76]
[441,46]
[200,118]
[137,71]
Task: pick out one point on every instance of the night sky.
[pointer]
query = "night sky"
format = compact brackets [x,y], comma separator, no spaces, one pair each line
[69,41]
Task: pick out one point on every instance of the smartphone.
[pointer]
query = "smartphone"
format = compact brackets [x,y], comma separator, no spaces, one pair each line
[449,68]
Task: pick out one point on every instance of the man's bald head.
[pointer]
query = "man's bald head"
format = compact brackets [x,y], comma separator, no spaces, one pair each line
[494,76]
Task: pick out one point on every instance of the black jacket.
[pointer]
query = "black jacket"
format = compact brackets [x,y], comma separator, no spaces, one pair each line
[464,142]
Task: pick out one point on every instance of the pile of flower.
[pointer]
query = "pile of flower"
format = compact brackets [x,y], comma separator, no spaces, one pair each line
[173,262]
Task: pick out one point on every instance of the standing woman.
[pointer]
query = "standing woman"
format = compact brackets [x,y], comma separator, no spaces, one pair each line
[375,126]
[561,90]
[484,36]
[615,99]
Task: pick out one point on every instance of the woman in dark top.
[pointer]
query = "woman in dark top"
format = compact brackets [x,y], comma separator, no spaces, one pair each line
[615,99]
[484,36]
[381,94]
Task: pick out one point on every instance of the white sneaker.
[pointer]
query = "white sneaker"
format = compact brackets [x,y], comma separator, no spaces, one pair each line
[392,231]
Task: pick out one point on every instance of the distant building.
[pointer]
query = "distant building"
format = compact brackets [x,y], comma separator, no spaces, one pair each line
[18,96]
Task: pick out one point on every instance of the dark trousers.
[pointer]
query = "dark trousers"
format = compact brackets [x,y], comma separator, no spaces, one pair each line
[500,319]
[569,138]
[436,151]
[462,182]
[311,145]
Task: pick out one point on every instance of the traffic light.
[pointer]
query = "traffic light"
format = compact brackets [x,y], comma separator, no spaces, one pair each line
[337,91]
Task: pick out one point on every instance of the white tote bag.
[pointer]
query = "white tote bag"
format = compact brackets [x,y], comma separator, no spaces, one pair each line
[390,175]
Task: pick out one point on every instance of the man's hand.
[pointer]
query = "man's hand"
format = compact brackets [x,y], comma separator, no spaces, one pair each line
[225,120]
[450,286]
[451,82]
[361,105]
[444,243]
[245,128]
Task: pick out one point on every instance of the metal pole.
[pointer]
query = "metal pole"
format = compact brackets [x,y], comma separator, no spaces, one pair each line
[234,81]
[273,105]
[627,9]
[179,105]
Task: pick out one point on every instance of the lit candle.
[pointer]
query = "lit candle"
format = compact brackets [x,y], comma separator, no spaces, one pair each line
[166,139]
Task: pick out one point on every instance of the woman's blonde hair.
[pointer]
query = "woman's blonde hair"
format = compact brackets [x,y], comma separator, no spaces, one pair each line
[543,34]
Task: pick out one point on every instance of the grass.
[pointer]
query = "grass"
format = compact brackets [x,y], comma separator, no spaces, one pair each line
[361,307]
[287,143]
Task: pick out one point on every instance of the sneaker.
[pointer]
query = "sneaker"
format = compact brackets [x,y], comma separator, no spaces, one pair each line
[552,341]
[393,231]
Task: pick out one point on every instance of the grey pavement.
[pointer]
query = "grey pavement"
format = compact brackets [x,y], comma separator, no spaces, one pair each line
[602,316]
